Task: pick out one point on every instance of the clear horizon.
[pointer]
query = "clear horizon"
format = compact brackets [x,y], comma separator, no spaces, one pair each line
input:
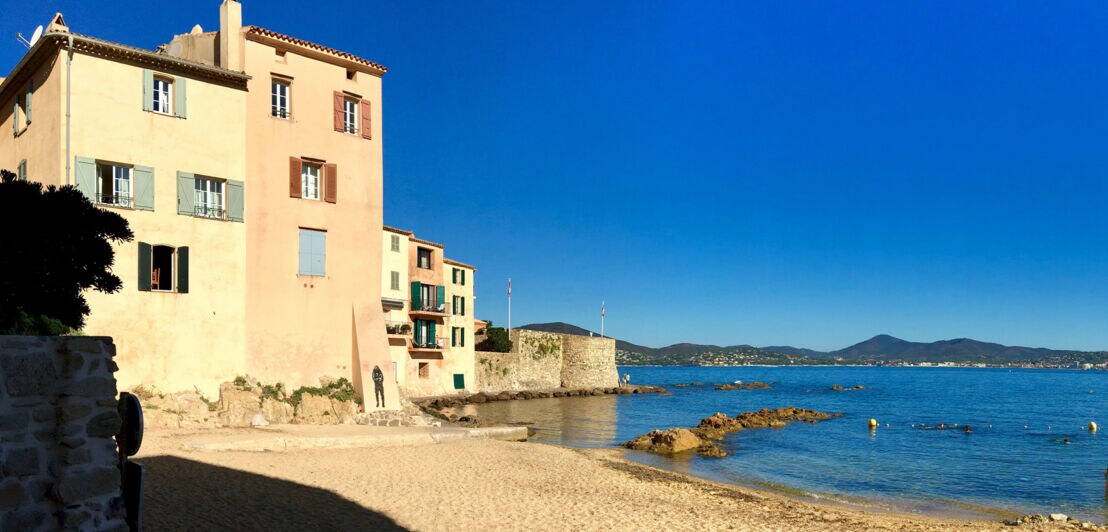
[730,174]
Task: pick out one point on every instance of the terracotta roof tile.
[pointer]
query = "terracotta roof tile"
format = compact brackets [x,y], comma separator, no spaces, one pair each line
[300,42]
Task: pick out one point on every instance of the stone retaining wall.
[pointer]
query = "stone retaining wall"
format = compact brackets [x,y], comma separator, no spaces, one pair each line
[57,422]
[542,361]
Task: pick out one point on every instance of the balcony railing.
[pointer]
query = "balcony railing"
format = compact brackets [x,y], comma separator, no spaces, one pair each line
[424,344]
[398,327]
[280,113]
[116,200]
[207,211]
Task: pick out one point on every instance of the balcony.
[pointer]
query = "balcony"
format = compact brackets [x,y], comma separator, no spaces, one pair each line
[398,328]
[430,311]
[115,200]
[209,211]
[433,349]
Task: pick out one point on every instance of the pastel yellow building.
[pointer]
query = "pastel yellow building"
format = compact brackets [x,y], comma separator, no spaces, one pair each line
[249,165]
[428,306]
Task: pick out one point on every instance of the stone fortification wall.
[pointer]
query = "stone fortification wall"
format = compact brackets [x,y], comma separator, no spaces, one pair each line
[57,421]
[588,362]
[542,360]
[535,363]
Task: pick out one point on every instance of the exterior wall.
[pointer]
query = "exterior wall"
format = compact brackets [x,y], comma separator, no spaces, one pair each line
[174,340]
[42,142]
[588,362]
[541,360]
[459,356]
[397,261]
[300,327]
[58,404]
[432,275]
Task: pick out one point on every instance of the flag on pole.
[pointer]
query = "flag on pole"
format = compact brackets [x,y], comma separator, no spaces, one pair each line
[509,287]
[601,309]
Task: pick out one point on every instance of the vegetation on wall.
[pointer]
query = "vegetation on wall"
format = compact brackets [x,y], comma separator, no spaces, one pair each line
[542,346]
[56,244]
[496,340]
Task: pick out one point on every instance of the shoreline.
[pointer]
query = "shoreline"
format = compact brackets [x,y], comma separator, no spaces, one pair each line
[470,485]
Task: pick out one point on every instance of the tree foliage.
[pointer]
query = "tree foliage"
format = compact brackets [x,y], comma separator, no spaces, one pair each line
[54,245]
[496,340]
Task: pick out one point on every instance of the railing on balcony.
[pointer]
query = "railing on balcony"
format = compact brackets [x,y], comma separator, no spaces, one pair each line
[398,327]
[208,211]
[441,309]
[424,344]
[117,200]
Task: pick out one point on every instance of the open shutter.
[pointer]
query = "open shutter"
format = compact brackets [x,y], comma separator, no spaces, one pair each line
[144,266]
[183,269]
[417,291]
[462,342]
[431,333]
[295,189]
[463,277]
[454,275]
[418,331]
[235,200]
[23,170]
[180,97]
[186,193]
[147,90]
[144,188]
[453,336]
[319,254]
[339,111]
[463,305]
[440,296]
[15,117]
[84,169]
[331,184]
[367,120]
[30,89]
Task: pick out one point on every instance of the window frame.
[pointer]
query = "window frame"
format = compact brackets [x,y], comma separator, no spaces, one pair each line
[172,268]
[118,200]
[202,209]
[350,114]
[167,105]
[419,258]
[306,180]
[275,109]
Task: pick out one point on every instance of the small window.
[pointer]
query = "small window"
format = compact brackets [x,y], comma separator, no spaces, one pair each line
[455,306]
[161,270]
[280,99]
[395,242]
[394,282]
[424,370]
[350,115]
[163,95]
[21,115]
[309,179]
[114,185]
[22,170]
[423,259]
[209,198]
[313,252]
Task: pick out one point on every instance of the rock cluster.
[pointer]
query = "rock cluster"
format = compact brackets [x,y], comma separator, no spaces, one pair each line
[1038,521]
[702,437]
[437,406]
[755,385]
[839,387]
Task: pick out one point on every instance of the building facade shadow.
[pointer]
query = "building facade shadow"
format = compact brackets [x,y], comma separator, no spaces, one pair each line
[180,494]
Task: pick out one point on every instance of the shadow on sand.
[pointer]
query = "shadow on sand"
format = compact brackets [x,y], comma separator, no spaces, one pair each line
[181,494]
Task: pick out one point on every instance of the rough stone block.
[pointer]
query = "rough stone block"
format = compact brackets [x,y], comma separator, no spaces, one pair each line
[74,412]
[77,487]
[28,374]
[78,456]
[73,519]
[84,344]
[104,425]
[44,413]
[99,387]
[21,462]
[28,519]
[14,421]
[73,443]
[11,494]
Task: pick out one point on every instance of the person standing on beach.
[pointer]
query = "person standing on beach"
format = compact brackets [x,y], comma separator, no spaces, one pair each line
[379,386]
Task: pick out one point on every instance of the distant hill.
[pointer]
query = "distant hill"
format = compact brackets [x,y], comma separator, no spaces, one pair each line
[882,348]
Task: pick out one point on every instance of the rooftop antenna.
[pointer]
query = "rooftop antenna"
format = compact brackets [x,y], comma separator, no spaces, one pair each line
[34,37]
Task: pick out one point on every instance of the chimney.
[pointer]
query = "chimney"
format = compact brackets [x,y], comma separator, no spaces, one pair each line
[230,35]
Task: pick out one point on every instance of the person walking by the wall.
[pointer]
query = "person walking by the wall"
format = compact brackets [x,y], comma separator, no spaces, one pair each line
[379,386]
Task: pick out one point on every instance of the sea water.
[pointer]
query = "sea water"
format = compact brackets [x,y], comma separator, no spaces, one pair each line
[1027,451]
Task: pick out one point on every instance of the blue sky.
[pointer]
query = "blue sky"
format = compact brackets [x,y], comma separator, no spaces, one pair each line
[732,172]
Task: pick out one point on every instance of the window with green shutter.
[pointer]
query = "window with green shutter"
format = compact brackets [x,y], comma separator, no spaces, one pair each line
[453,337]
[143,267]
[144,188]
[22,170]
[462,342]
[417,291]
[440,296]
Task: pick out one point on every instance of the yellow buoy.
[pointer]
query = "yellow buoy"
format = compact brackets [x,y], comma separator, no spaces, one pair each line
[1092,426]
[872,423]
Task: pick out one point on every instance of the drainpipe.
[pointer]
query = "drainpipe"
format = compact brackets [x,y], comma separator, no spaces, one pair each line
[68,77]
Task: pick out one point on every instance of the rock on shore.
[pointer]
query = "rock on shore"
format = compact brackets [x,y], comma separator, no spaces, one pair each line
[755,385]
[701,438]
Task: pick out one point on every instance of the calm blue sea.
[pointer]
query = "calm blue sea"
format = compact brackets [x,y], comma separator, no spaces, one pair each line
[999,465]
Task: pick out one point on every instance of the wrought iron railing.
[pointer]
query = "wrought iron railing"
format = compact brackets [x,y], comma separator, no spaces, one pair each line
[350,128]
[280,113]
[442,309]
[207,211]
[117,200]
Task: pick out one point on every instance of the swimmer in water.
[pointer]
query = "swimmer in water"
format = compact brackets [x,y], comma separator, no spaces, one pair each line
[1066,441]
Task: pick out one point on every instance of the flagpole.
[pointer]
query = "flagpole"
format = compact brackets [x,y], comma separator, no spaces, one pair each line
[509,307]
[602,319]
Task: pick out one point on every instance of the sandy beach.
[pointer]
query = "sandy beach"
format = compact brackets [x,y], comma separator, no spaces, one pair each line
[465,485]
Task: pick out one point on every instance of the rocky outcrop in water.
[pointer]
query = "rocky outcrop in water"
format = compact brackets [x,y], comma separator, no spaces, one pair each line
[438,406]
[702,437]
[839,387]
[755,385]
